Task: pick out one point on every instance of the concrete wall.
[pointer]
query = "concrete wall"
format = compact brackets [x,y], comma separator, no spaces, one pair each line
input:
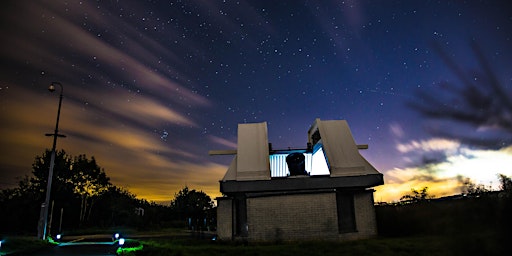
[292,217]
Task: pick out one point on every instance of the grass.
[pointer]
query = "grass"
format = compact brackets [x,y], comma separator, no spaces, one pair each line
[22,245]
[378,246]
[463,244]
[478,226]
[182,245]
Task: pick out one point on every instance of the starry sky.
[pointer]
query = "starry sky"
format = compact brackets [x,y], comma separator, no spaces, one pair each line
[151,86]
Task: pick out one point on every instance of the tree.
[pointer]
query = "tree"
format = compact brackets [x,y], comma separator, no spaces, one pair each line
[505,182]
[19,208]
[80,187]
[89,181]
[74,178]
[191,205]
[117,207]
[417,196]
[469,188]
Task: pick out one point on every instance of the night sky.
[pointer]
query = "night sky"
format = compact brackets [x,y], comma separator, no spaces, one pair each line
[151,86]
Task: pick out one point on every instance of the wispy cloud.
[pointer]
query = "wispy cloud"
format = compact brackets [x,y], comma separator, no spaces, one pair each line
[223,142]
[443,176]
[435,144]
[117,98]
[397,130]
[129,153]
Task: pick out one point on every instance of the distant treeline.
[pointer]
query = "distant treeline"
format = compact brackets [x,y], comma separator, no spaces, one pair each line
[470,225]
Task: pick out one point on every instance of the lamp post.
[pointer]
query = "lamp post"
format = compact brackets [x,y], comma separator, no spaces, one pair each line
[44,207]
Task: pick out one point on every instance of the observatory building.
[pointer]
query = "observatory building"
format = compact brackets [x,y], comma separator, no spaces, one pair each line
[322,192]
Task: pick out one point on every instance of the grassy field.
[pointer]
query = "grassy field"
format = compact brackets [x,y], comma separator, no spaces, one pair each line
[428,245]
[18,244]
[463,244]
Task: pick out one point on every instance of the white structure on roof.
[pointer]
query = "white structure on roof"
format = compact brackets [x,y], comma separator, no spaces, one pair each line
[254,161]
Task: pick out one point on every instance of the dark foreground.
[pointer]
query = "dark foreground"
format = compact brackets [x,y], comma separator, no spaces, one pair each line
[424,245]
[463,244]
[85,249]
[469,226]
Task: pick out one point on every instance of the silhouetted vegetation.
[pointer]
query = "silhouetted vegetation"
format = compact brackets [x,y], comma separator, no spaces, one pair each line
[416,196]
[195,208]
[84,198]
[469,188]
[476,222]
[505,183]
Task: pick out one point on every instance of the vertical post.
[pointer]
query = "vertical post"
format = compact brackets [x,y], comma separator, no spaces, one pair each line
[60,222]
[51,218]
[56,134]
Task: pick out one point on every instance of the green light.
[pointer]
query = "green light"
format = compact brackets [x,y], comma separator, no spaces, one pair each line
[126,248]
[51,241]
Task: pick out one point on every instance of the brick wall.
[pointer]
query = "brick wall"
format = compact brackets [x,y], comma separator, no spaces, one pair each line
[224,218]
[292,217]
[365,217]
[298,217]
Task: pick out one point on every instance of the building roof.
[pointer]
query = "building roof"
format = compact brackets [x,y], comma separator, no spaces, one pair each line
[251,164]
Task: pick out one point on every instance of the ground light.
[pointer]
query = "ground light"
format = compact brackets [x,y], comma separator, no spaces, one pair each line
[128,245]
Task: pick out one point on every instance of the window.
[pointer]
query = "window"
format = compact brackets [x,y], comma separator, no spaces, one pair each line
[316,163]
[346,212]
[319,163]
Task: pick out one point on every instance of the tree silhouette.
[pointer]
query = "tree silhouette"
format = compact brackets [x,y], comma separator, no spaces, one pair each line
[469,188]
[417,196]
[191,205]
[505,183]
[83,190]
[481,103]
[74,177]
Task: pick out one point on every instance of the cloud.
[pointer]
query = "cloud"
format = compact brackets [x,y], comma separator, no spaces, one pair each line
[397,130]
[125,106]
[392,192]
[114,102]
[203,177]
[442,176]
[222,141]
[434,144]
[133,156]
[427,152]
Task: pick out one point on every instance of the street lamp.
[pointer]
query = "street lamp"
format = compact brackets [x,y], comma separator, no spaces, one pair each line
[44,207]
